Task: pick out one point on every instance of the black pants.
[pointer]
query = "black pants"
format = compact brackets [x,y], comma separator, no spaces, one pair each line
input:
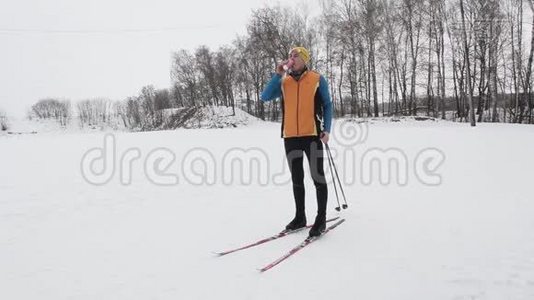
[313,147]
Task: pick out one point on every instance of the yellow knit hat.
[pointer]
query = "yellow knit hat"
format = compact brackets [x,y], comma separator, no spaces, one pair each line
[303,53]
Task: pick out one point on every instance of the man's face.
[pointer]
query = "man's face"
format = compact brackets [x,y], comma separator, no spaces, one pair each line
[298,61]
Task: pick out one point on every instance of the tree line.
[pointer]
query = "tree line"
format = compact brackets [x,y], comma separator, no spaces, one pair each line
[142,112]
[460,60]
[469,61]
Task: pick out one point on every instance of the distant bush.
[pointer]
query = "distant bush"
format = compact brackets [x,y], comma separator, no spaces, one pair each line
[94,112]
[52,109]
[4,124]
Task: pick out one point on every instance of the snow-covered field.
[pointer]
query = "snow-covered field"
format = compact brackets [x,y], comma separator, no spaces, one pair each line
[471,236]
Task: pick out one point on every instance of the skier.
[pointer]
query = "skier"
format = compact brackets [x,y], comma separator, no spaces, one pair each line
[306,123]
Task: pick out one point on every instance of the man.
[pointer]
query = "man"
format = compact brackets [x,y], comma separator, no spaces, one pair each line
[305,103]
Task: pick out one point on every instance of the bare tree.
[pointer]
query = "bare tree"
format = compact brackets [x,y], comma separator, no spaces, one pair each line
[162,99]
[468,66]
[226,66]
[527,86]
[243,76]
[186,75]
[205,61]
[371,13]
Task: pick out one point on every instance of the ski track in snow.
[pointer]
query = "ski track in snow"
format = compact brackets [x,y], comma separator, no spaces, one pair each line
[472,237]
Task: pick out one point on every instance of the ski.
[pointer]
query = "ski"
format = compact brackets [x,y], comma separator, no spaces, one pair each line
[271,238]
[305,243]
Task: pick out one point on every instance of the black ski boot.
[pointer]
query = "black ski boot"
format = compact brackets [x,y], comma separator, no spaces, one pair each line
[296,223]
[319,226]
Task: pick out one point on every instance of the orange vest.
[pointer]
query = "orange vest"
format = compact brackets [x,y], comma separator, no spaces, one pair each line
[299,105]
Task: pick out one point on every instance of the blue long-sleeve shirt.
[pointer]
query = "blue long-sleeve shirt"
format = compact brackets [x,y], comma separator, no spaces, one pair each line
[273,90]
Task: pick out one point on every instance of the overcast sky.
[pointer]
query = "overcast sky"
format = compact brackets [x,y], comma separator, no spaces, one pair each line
[100,48]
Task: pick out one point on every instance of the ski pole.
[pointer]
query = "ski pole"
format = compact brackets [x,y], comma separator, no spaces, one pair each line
[345,205]
[338,208]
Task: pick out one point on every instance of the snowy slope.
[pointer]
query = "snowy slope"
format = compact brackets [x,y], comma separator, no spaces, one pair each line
[471,237]
[206,117]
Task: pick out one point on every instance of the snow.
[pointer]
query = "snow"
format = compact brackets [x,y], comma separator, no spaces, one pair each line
[24,126]
[470,237]
[206,117]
